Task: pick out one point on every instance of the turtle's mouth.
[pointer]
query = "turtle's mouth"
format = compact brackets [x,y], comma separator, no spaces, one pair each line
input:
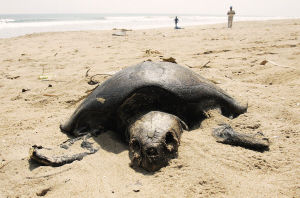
[152,164]
[152,158]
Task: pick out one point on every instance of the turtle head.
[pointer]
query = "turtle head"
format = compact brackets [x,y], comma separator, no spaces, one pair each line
[154,140]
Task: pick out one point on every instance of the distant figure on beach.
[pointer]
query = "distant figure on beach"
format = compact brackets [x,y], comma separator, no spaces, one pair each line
[176,22]
[230,14]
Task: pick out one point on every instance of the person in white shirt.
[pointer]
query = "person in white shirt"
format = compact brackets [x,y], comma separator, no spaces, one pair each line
[230,14]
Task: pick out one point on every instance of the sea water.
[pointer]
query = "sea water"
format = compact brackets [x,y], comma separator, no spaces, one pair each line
[20,24]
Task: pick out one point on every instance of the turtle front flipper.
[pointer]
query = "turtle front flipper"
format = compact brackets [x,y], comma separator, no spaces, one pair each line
[209,97]
[231,109]
[67,152]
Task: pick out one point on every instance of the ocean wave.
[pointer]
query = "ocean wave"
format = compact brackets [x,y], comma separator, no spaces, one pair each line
[137,18]
[7,20]
[36,18]
[48,24]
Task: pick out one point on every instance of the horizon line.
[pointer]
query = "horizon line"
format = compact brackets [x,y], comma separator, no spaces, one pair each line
[157,14]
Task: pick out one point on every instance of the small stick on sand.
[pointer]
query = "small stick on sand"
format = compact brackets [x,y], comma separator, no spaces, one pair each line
[50,95]
[78,100]
[91,90]
[273,63]
[198,66]
[206,63]
[2,166]
[87,72]
[73,102]
[101,75]
[49,175]
[92,82]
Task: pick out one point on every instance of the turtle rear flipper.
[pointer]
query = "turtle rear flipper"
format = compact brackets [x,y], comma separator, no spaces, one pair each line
[67,152]
[225,134]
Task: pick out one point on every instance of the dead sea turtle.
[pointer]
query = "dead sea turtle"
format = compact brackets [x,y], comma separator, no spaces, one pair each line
[149,105]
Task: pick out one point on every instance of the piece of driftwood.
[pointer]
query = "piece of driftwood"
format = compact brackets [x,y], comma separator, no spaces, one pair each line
[43,192]
[12,77]
[226,135]
[120,33]
[122,29]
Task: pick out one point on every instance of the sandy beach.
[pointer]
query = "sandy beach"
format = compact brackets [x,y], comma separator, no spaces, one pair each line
[255,62]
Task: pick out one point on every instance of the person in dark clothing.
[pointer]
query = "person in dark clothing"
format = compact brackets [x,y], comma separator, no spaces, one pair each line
[176,22]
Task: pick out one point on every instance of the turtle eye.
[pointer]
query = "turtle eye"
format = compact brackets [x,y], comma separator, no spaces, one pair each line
[135,145]
[170,141]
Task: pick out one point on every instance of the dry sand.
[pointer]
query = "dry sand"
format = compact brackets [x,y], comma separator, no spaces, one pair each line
[204,167]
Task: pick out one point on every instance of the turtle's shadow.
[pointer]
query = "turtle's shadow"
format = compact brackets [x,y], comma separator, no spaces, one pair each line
[33,165]
[110,141]
[107,140]
[142,171]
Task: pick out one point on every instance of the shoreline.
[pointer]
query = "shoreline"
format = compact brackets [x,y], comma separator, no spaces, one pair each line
[77,29]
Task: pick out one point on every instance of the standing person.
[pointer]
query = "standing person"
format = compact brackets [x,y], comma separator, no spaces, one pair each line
[230,14]
[176,21]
